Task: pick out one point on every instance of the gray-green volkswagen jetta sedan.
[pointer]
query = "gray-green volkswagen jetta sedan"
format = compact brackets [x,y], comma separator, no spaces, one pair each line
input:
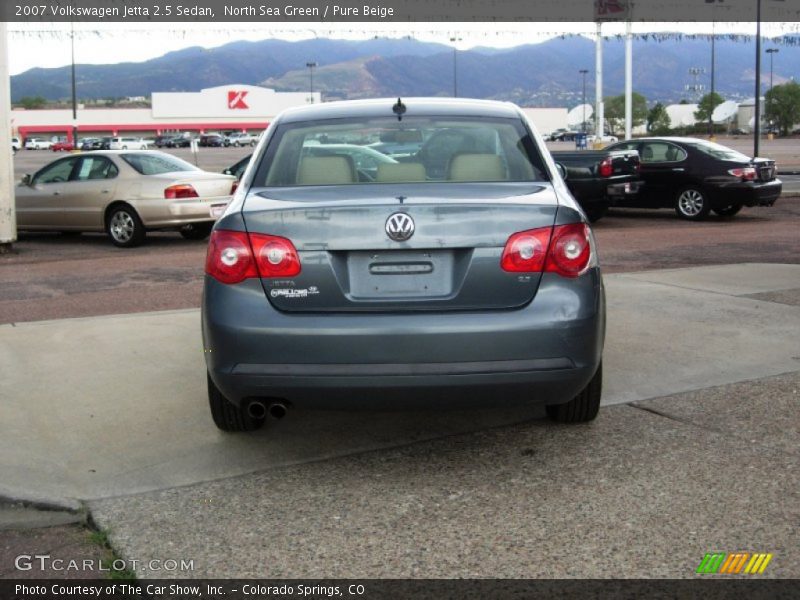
[459,272]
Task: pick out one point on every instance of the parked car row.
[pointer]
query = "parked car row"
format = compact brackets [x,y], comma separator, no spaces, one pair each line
[692,176]
[172,140]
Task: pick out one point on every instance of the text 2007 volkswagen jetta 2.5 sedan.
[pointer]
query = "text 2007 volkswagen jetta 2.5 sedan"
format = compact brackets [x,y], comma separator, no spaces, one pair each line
[459,273]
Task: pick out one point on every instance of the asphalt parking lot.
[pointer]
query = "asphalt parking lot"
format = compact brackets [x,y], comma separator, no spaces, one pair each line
[695,450]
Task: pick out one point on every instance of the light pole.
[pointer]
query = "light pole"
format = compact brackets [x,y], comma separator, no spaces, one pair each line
[311,66]
[771,51]
[455,40]
[713,61]
[584,72]
[713,66]
[757,116]
[74,91]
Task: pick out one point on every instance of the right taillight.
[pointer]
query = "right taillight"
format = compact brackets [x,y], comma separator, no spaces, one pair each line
[525,251]
[563,249]
[570,252]
[234,256]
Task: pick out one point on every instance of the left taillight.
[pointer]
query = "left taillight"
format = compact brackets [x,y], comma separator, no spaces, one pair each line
[606,168]
[234,256]
[564,249]
[275,256]
[181,190]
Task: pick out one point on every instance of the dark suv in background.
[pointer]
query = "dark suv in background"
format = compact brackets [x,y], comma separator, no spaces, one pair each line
[211,140]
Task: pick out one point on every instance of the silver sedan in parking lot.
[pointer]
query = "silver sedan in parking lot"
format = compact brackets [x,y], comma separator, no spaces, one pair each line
[463,274]
[124,193]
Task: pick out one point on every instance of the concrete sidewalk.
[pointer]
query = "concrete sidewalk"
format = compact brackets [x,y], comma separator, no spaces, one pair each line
[112,406]
[645,491]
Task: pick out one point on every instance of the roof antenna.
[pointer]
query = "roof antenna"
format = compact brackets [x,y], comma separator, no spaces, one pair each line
[399,109]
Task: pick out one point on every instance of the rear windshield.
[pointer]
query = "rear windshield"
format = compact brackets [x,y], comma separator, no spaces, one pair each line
[385,150]
[155,164]
[721,152]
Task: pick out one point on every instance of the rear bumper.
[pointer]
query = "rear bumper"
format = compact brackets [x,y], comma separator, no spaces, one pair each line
[545,352]
[617,191]
[160,213]
[748,193]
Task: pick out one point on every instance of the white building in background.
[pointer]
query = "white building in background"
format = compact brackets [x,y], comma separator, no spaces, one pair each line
[681,115]
[747,112]
[227,107]
[547,120]
[237,102]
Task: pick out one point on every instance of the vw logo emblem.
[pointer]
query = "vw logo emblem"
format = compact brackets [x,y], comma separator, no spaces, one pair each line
[399,227]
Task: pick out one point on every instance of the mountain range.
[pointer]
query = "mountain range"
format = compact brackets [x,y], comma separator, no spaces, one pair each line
[543,74]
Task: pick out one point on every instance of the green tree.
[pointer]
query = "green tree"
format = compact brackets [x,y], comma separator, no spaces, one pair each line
[31,102]
[707,105]
[615,112]
[658,121]
[783,106]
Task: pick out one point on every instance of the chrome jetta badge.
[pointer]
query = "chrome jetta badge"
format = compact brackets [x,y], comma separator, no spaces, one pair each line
[399,227]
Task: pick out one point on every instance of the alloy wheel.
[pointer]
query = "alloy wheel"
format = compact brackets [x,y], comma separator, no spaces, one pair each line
[691,203]
[121,226]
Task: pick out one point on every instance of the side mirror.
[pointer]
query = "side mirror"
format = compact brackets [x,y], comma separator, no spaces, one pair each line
[227,172]
[27,179]
[562,171]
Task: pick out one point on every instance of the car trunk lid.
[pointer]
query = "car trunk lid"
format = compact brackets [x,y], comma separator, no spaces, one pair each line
[450,262]
[765,169]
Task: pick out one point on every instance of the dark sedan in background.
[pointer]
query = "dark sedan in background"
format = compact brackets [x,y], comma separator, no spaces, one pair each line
[696,176]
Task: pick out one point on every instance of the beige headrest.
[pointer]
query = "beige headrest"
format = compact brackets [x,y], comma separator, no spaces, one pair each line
[400,172]
[477,167]
[326,170]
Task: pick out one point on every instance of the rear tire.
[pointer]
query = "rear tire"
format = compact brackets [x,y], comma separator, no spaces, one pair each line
[691,204]
[583,407]
[196,231]
[226,415]
[728,211]
[124,227]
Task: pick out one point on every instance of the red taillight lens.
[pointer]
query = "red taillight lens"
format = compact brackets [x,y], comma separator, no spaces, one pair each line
[744,173]
[526,251]
[183,190]
[275,256]
[606,168]
[233,256]
[234,186]
[570,250]
[229,258]
[564,249]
